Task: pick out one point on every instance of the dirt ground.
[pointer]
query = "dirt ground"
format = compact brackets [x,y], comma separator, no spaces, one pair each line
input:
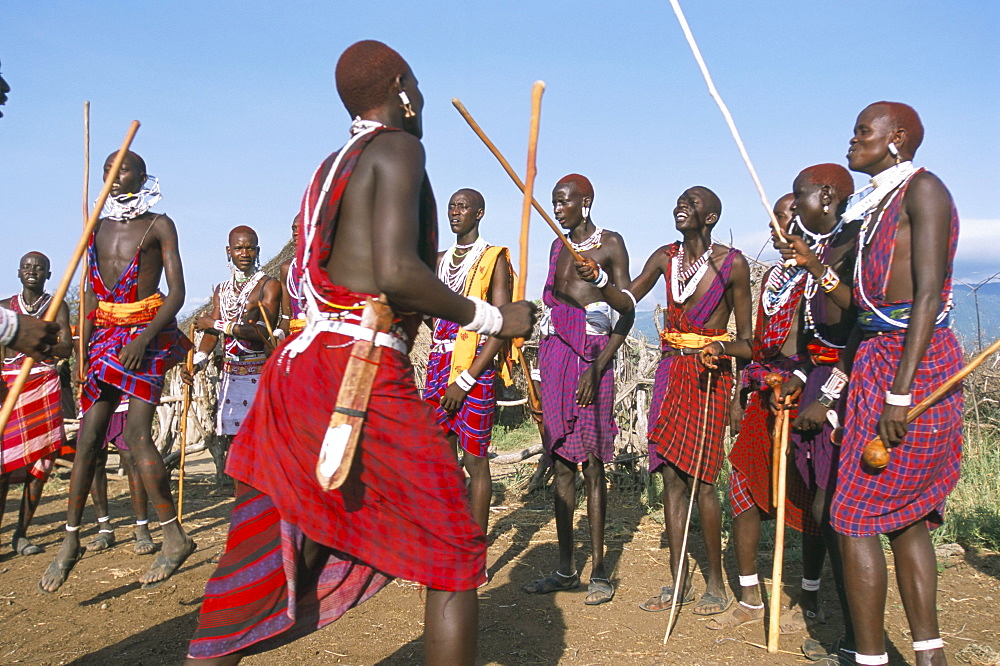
[102,616]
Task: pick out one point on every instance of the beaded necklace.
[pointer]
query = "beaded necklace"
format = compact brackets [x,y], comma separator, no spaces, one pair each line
[592,242]
[684,281]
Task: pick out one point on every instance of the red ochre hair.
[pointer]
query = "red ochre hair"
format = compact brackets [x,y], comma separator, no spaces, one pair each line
[834,175]
[904,116]
[364,73]
[582,184]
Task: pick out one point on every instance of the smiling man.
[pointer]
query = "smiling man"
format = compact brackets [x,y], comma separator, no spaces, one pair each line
[576,363]
[707,283]
[461,367]
[132,340]
[902,289]
[35,431]
[238,319]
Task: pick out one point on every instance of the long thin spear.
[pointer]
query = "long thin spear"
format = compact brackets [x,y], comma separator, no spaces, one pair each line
[682,561]
[60,295]
[725,113]
[80,350]
[513,176]
[189,364]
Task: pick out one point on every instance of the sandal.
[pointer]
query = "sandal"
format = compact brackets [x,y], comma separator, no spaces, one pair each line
[662,601]
[736,615]
[58,571]
[555,582]
[144,544]
[709,600]
[815,652]
[21,546]
[599,591]
[104,540]
[168,566]
[797,619]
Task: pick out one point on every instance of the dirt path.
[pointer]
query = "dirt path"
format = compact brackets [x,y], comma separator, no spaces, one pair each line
[102,616]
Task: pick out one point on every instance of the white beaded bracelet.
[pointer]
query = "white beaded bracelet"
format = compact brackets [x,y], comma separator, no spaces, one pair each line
[631,297]
[602,278]
[897,400]
[8,326]
[200,359]
[801,375]
[465,381]
[487,320]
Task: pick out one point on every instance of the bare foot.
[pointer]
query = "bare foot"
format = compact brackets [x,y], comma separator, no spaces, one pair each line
[58,571]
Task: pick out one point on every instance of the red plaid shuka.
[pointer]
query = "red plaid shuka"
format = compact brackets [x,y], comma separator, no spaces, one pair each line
[35,429]
[403,511]
[572,431]
[473,422]
[163,352]
[675,434]
[924,469]
[751,456]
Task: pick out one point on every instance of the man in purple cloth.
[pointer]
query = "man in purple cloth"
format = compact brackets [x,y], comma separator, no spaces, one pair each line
[902,288]
[575,358]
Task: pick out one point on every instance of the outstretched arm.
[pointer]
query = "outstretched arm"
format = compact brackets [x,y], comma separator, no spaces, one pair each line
[613,292]
[399,271]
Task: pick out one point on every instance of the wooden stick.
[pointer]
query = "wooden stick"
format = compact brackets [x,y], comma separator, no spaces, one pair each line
[682,563]
[189,364]
[510,172]
[774,380]
[267,324]
[779,463]
[81,351]
[60,295]
[876,455]
[529,183]
[725,113]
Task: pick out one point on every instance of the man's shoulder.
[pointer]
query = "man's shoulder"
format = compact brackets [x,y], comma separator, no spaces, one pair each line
[5,303]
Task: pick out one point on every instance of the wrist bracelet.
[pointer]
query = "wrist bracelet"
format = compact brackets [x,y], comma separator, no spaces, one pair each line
[723,346]
[897,400]
[465,381]
[801,375]
[487,320]
[826,400]
[8,326]
[228,328]
[602,278]
[200,359]
[834,384]
[830,280]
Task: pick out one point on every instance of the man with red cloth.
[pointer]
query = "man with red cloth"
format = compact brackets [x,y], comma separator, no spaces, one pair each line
[706,284]
[298,556]
[34,433]
[132,340]
[902,289]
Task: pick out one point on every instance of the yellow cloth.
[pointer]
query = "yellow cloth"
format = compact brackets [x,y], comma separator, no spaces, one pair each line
[680,340]
[296,325]
[478,284]
[141,312]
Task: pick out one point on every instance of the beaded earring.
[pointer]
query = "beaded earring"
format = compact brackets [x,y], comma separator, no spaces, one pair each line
[408,111]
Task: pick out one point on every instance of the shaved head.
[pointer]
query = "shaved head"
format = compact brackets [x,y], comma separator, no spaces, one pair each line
[582,184]
[834,175]
[364,74]
[475,198]
[40,256]
[904,117]
[137,163]
[712,202]
[242,231]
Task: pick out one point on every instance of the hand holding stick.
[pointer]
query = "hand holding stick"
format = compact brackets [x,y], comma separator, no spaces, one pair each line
[875,453]
[60,295]
[510,172]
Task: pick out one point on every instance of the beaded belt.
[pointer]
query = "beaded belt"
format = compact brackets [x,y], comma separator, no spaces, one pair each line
[316,326]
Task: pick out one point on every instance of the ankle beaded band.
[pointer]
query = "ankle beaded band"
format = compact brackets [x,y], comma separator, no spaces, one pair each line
[167,522]
[871,659]
[140,523]
[929,644]
[810,585]
[749,581]
[72,528]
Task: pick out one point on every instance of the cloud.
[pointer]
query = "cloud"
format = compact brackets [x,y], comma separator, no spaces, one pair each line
[977,241]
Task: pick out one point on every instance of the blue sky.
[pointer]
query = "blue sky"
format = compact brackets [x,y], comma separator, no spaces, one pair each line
[238,107]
